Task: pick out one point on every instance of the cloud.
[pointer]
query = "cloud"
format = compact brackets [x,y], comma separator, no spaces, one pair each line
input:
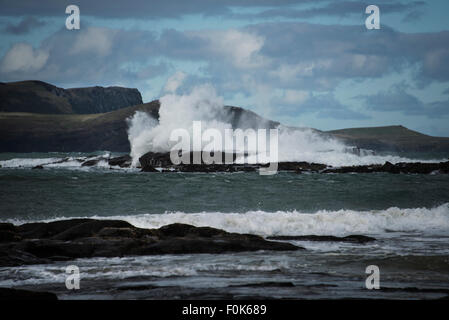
[21,57]
[327,106]
[239,47]
[94,40]
[24,26]
[89,56]
[256,62]
[398,99]
[269,55]
[413,16]
[309,55]
[296,97]
[296,102]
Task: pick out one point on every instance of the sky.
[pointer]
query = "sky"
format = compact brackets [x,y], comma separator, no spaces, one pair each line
[301,62]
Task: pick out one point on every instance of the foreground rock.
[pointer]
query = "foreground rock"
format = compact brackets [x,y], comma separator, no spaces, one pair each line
[84,238]
[352,238]
[18,294]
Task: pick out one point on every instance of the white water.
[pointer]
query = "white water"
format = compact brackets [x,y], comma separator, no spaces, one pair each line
[323,222]
[202,104]
[61,163]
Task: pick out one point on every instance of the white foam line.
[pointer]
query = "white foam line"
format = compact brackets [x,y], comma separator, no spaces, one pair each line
[323,222]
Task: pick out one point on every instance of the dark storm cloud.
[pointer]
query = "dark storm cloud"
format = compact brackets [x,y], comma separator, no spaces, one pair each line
[135,9]
[339,9]
[413,16]
[341,52]
[24,26]
[253,61]
[398,99]
[90,55]
[291,55]
[327,106]
[141,9]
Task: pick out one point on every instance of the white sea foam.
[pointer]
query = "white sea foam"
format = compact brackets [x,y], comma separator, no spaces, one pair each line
[323,222]
[26,162]
[52,162]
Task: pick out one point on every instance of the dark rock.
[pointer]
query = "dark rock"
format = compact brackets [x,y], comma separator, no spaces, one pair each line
[90,163]
[11,256]
[19,294]
[351,238]
[38,167]
[42,230]
[89,229]
[155,159]
[4,226]
[389,167]
[84,238]
[148,168]
[301,166]
[123,161]
[183,230]
[110,232]
[8,233]
[9,236]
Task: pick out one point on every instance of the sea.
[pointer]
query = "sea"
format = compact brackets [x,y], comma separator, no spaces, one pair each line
[407,214]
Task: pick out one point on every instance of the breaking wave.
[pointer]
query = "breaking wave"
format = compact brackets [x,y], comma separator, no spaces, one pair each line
[203,104]
[323,222]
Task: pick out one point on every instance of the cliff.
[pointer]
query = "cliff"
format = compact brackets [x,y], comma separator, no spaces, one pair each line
[44,98]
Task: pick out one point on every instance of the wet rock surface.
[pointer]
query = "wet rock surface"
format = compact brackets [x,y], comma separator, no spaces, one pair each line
[34,243]
[123,161]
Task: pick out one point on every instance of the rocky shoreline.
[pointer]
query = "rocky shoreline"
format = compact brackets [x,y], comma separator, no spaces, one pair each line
[37,243]
[160,162]
[42,242]
[151,160]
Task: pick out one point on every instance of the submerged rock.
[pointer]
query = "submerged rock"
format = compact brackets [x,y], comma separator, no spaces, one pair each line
[83,238]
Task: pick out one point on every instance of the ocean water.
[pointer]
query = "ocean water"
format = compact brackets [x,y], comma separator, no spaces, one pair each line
[407,214]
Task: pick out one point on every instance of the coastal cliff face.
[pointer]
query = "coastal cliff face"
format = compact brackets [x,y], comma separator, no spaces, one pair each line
[44,98]
[33,132]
